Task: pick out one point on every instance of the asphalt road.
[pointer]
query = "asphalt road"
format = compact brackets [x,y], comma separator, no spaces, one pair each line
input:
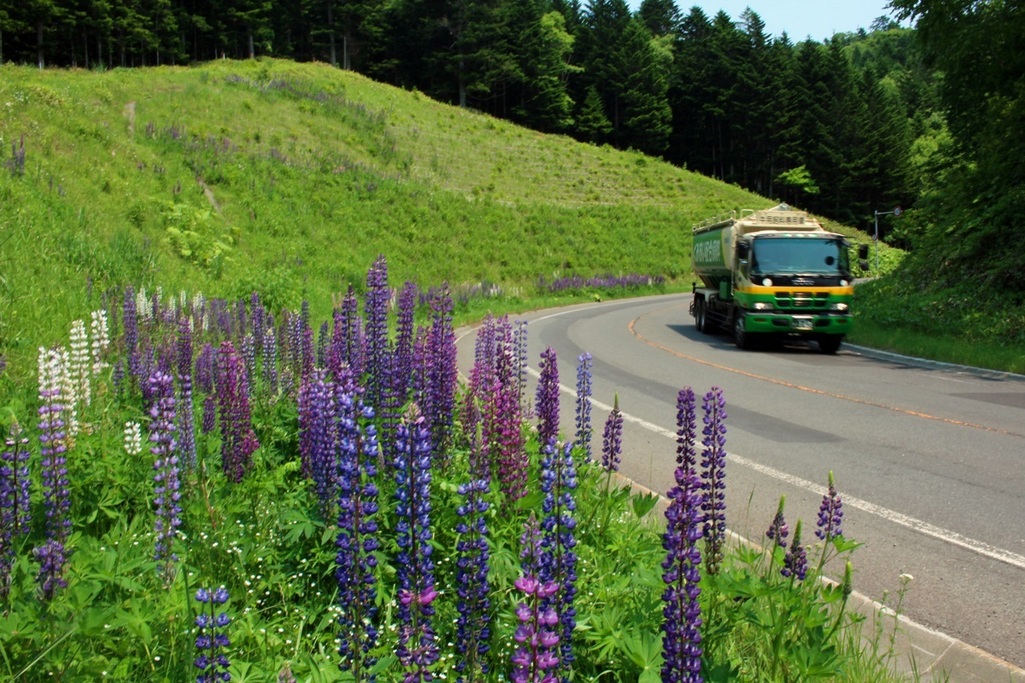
[929,459]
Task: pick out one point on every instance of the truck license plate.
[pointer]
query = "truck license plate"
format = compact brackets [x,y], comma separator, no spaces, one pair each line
[802,324]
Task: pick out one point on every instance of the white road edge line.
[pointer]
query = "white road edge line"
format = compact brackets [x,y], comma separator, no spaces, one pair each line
[893,516]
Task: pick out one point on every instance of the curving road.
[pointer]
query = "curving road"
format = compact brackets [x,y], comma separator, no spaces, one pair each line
[930,460]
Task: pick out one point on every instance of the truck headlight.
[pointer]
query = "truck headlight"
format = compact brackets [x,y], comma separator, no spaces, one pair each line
[762,306]
[842,308]
[767,282]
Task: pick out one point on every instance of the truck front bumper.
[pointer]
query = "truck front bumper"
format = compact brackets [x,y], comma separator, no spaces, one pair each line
[806,323]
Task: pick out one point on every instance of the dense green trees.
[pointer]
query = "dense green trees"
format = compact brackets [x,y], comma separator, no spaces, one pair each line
[974,188]
[861,123]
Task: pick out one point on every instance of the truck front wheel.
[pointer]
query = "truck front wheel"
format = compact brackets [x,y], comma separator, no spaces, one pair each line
[741,338]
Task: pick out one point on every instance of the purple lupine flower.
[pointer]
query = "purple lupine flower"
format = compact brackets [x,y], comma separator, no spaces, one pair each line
[357,539]
[52,557]
[795,562]
[209,419]
[681,625]
[536,634]
[56,497]
[318,436]
[186,426]
[686,431]
[547,399]
[322,343]
[15,513]
[830,514]
[442,377]
[238,442]
[403,366]
[270,357]
[257,312]
[520,357]
[376,312]
[713,478]
[211,637]
[353,351]
[206,367]
[583,415]
[558,481]
[248,353]
[504,422]
[778,529]
[473,627]
[166,493]
[612,439]
[417,649]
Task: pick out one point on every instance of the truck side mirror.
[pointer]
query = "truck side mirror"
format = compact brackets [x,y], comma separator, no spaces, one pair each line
[863,251]
[742,251]
[863,264]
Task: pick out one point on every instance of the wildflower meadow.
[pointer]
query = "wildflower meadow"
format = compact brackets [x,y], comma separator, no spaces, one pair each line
[210,490]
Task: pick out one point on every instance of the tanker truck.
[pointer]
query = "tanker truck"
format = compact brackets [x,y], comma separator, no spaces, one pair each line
[772,274]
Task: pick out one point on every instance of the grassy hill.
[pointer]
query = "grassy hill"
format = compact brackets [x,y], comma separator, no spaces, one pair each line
[290,179]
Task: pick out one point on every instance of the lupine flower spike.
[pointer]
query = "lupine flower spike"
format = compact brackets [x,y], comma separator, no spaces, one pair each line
[535,655]
[681,626]
[212,641]
[583,424]
[612,439]
[795,563]
[713,478]
[14,502]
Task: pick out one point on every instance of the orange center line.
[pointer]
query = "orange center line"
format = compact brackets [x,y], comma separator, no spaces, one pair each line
[811,390]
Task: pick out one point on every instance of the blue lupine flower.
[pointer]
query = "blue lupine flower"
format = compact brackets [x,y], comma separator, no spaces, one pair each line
[211,640]
[612,439]
[713,478]
[417,649]
[583,414]
[681,626]
[15,514]
[473,627]
[166,493]
[547,398]
[830,514]
[357,539]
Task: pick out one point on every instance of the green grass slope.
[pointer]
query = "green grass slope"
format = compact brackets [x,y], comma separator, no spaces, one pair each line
[290,179]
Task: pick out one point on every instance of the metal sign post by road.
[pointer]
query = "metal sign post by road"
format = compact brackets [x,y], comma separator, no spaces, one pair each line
[895,212]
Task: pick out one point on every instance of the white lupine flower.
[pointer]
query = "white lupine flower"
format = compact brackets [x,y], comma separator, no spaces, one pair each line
[100,333]
[79,366]
[133,438]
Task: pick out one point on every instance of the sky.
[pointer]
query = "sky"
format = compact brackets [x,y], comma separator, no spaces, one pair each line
[800,19]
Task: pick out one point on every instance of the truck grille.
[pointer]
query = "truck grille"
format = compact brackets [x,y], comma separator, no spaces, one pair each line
[809,301]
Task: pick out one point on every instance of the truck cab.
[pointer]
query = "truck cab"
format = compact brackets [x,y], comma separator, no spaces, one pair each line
[773,274]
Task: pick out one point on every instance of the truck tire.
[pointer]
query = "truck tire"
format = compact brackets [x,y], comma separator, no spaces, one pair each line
[830,343]
[741,338]
[700,322]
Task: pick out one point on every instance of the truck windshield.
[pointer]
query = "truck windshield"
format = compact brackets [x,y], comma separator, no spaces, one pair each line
[805,255]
